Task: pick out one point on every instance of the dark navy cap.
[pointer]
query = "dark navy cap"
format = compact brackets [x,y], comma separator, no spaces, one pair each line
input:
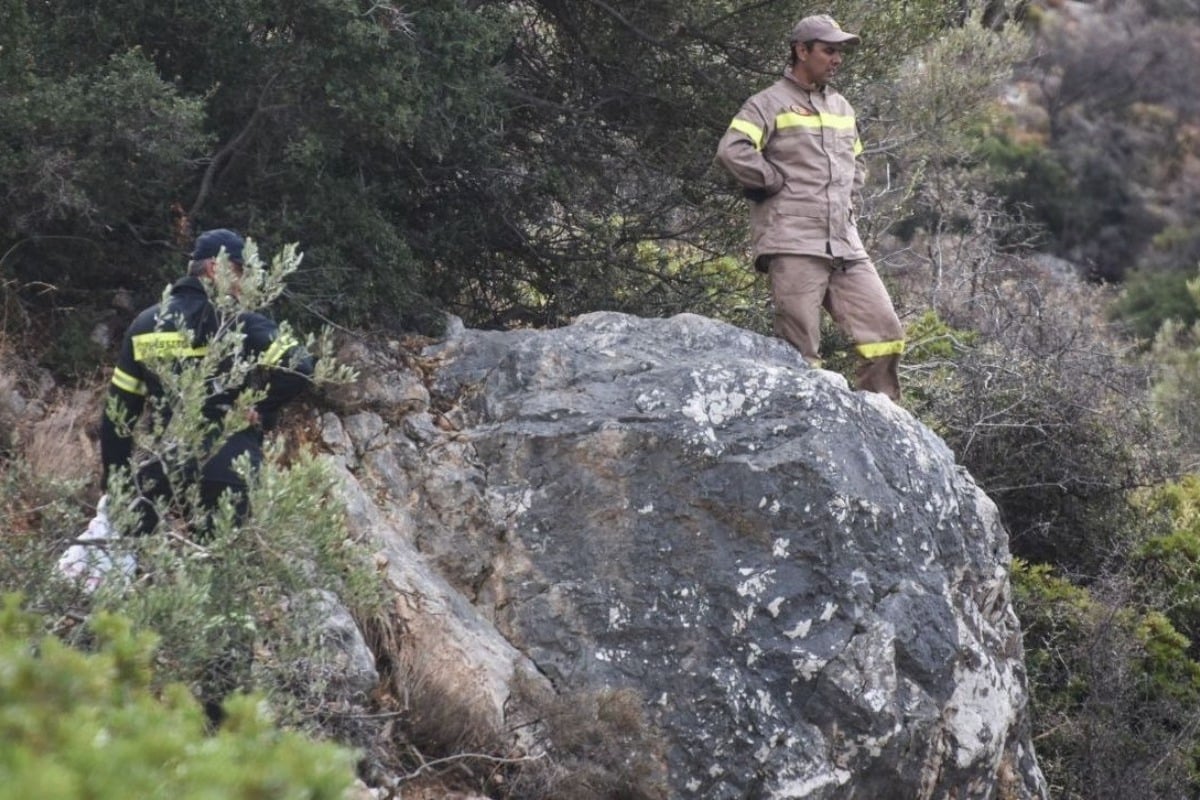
[209,244]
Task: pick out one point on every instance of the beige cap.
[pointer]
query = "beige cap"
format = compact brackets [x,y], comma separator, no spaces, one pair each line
[821,28]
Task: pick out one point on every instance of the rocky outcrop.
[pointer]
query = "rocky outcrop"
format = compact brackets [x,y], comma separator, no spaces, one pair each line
[807,594]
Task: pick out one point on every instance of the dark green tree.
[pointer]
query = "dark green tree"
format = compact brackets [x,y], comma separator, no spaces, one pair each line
[350,127]
[506,161]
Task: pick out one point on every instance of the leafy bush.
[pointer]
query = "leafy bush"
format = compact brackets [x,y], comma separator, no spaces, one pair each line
[72,354]
[1167,566]
[1176,355]
[1029,178]
[105,143]
[1150,298]
[1115,694]
[94,726]
[219,605]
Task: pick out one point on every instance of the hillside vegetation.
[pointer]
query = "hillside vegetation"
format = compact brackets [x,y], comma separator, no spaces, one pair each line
[1034,206]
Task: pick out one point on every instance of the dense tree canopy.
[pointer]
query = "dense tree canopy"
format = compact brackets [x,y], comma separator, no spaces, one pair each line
[328,123]
[506,161]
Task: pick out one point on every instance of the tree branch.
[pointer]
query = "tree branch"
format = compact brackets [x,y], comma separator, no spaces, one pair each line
[228,150]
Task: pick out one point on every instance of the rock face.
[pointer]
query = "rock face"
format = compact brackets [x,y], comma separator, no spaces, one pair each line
[809,595]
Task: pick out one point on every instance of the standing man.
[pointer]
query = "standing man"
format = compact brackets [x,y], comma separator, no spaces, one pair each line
[164,338]
[794,149]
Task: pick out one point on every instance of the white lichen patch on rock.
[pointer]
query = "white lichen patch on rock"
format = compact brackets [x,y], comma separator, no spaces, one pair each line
[799,630]
[981,711]
[720,395]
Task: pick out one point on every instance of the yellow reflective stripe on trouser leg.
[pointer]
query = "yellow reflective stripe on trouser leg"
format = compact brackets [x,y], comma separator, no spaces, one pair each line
[750,129]
[126,382]
[880,349]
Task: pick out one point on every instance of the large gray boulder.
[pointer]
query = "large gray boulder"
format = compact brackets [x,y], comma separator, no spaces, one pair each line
[808,594]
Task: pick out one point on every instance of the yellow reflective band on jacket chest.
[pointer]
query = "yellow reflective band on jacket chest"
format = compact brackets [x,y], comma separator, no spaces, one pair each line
[791,119]
[837,122]
[163,345]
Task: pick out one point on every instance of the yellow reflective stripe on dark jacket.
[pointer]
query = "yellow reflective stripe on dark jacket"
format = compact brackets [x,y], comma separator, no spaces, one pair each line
[126,382]
[161,345]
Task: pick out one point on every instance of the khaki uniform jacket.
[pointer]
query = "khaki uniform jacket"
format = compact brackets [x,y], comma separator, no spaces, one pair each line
[797,152]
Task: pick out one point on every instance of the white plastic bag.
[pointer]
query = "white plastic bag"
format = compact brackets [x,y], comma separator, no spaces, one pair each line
[89,562]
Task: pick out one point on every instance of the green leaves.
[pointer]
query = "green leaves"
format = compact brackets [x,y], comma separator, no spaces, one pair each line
[98,145]
[79,725]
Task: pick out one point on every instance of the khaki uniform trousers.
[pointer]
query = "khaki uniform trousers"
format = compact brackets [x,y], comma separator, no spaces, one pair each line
[859,304]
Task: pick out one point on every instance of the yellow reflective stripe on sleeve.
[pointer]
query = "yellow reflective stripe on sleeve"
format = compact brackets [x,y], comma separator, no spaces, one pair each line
[163,345]
[279,349]
[750,129]
[127,383]
[877,349]
[790,119]
[858,147]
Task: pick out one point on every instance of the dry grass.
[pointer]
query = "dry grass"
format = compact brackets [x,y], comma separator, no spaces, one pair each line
[62,444]
[52,430]
[599,745]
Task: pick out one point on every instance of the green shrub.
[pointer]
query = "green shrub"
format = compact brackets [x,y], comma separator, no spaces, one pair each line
[92,726]
[1030,179]
[1176,355]
[1114,691]
[1149,298]
[1040,404]
[219,605]
[72,355]
[1167,565]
